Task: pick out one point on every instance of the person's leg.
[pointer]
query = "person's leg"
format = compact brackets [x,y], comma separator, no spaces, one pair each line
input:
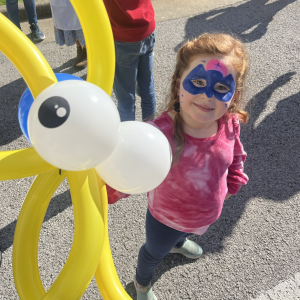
[81,60]
[79,51]
[13,12]
[145,80]
[127,58]
[30,11]
[160,239]
[187,248]
[36,33]
[182,240]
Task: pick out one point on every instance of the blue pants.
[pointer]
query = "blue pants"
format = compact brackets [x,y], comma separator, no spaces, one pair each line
[134,73]
[13,11]
[160,239]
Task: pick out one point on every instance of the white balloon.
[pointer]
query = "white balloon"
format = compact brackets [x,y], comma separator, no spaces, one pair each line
[141,160]
[74,125]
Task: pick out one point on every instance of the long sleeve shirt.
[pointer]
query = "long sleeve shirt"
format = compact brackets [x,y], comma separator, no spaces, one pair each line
[191,196]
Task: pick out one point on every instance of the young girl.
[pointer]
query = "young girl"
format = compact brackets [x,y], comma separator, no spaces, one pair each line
[201,123]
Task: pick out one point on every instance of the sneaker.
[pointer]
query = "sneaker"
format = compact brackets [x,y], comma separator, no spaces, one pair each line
[81,61]
[144,293]
[189,249]
[36,33]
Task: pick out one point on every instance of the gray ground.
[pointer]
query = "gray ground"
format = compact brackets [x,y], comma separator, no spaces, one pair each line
[255,244]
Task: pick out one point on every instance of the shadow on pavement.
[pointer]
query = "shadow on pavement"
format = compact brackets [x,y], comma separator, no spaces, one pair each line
[249,20]
[57,205]
[269,146]
[10,95]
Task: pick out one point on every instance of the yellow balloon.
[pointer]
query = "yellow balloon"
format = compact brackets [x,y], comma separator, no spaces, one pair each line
[26,57]
[99,42]
[85,253]
[25,249]
[21,163]
[106,275]
[87,245]
[90,252]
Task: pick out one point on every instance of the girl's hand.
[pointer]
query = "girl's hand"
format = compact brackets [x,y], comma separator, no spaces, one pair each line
[114,195]
[227,196]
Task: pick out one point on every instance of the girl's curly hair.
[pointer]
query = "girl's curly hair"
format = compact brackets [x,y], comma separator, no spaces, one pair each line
[209,43]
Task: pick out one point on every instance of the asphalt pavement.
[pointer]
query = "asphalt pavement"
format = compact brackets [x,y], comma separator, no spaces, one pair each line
[253,250]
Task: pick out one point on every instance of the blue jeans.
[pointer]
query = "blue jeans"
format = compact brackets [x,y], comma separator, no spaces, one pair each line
[160,239]
[13,11]
[134,73]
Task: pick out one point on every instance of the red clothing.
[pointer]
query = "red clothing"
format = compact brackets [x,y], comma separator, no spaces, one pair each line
[192,195]
[131,20]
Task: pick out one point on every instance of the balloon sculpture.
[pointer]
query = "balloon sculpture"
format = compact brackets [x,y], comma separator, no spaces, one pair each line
[74,127]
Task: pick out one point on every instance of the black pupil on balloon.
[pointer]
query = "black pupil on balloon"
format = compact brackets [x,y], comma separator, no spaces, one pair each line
[54,112]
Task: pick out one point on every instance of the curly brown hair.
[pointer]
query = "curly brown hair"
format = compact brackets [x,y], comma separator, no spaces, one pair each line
[209,43]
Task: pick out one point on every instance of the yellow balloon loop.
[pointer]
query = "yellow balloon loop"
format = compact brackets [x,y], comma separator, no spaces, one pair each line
[106,275]
[90,253]
[99,42]
[21,163]
[25,249]
[87,245]
[26,57]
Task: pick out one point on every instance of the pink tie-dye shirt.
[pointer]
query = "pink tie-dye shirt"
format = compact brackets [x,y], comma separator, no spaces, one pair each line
[192,195]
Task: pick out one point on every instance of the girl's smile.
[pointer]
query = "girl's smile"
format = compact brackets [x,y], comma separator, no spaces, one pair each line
[204,107]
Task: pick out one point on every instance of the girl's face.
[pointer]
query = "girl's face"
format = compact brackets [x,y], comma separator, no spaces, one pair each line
[207,88]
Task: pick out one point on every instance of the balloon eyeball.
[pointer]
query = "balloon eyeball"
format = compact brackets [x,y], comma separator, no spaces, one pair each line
[74,125]
[53,112]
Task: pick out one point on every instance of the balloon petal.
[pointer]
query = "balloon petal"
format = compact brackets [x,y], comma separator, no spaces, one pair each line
[26,57]
[106,275]
[87,245]
[21,163]
[99,43]
[25,249]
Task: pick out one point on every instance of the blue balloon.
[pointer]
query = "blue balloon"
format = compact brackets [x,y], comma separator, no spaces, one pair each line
[65,76]
[27,100]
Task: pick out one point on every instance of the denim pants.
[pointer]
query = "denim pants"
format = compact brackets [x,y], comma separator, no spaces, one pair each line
[134,73]
[13,11]
[160,239]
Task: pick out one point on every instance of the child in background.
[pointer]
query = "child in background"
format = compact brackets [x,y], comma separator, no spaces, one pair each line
[201,122]
[133,26]
[67,29]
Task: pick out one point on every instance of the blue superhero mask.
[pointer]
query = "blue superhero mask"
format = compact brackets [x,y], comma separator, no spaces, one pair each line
[211,77]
